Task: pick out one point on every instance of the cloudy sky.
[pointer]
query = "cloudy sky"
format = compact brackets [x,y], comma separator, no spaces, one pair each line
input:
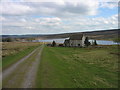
[53,16]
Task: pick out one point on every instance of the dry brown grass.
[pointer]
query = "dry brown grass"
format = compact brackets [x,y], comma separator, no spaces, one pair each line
[9,48]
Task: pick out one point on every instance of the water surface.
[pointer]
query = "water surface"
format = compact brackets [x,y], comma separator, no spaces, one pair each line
[99,42]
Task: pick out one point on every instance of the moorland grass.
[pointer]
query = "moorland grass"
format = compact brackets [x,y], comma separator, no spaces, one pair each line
[65,67]
[11,59]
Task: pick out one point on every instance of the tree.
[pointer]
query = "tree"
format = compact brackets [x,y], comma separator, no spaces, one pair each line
[86,42]
[53,44]
[7,39]
[95,43]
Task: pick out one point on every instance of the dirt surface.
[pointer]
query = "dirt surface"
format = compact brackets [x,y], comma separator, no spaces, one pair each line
[23,73]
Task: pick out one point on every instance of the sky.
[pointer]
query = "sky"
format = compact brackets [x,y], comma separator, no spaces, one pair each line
[20,17]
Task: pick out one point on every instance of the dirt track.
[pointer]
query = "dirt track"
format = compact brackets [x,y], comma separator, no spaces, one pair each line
[22,74]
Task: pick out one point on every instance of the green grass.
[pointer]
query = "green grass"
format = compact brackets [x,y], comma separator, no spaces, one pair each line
[11,59]
[63,67]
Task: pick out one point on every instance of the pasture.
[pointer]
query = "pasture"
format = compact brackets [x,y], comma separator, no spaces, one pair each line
[65,67]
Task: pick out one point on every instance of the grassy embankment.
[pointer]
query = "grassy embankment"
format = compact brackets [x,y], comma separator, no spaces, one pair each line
[64,67]
[14,51]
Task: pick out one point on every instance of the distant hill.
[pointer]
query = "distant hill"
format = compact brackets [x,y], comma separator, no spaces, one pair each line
[101,34]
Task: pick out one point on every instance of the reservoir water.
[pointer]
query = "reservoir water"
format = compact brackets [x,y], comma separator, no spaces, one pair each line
[100,42]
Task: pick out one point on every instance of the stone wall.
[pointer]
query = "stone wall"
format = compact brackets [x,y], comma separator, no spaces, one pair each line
[76,43]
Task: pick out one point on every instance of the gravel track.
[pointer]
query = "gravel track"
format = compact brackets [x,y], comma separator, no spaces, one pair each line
[22,74]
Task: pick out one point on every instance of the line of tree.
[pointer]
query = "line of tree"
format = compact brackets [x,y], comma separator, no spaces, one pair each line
[7,39]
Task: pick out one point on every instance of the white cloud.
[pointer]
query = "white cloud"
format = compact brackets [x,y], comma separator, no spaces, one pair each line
[50,8]
[14,8]
[30,27]
[62,8]
[108,0]
[100,21]
[61,1]
[23,20]
[2,18]
[57,25]
[48,21]
[109,5]
[54,17]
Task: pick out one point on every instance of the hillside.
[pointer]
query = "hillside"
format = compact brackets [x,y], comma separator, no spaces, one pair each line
[101,34]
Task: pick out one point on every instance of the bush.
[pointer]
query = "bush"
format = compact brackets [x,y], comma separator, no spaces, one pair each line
[53,44]
[86,42]
[7,39]
[94,43]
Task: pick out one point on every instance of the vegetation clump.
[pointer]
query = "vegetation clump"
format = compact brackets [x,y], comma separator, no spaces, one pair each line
[95,43]
[86,42]
[53,44]
[7,39]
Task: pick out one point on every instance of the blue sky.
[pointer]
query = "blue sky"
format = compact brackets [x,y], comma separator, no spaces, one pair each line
[34,17]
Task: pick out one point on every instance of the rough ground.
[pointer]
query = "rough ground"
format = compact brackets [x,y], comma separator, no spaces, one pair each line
[23,73]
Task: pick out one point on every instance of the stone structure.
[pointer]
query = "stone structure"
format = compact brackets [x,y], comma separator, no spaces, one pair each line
[75,41]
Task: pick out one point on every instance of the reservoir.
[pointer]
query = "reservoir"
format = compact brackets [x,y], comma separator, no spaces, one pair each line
[99,42]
